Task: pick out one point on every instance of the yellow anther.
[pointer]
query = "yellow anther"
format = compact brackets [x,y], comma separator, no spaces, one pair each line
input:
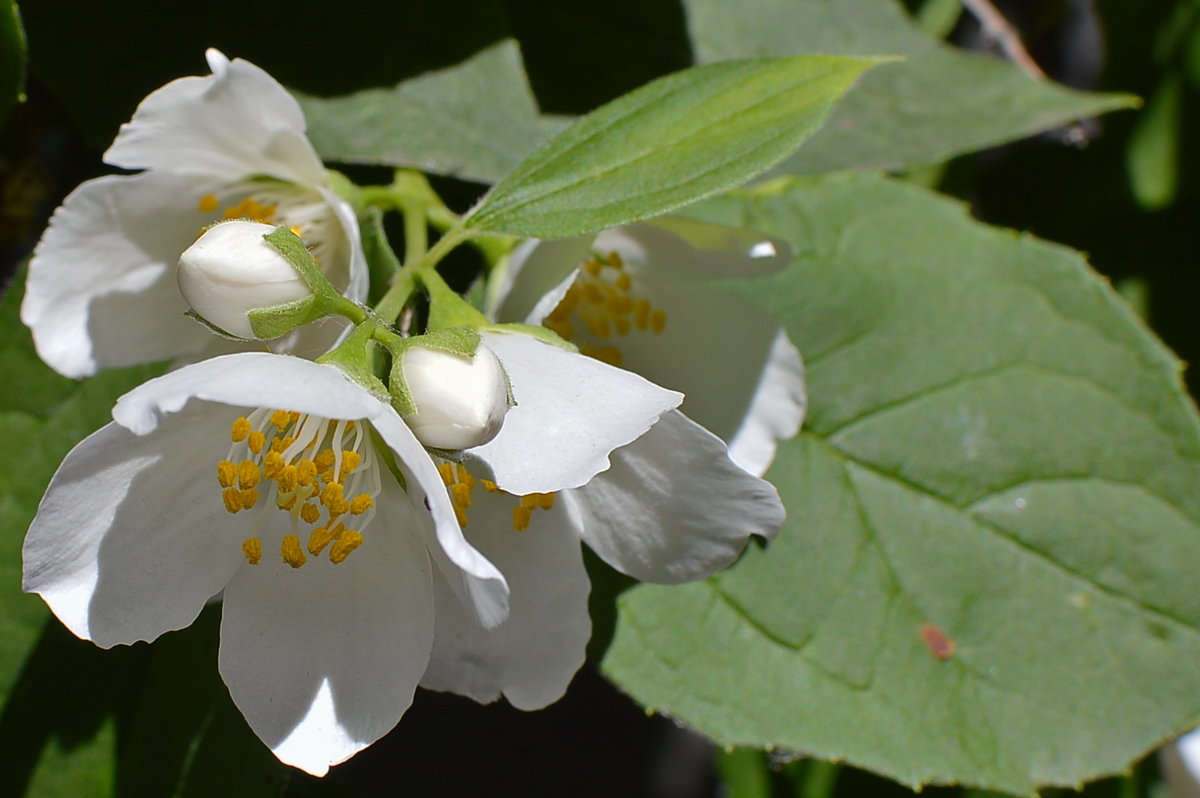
[615,261]
[622,326]
[447,473]
[249,498]
[279,444]
[288,479]
[350,461]
[333,494]
[460,515]
[460,494]
[320,538]
[593,267]
[248,474]
[592,294]
[233,499]
[547,500]
[310,513]
[347,542]
[272,465]
[286,502]
[619,305]
[361,503]
[599,327]
[280,419]
[208,203]
[658,320]
[641,313]
[624,281]
[258,440]
[324,460]
[562,328]
[530,501]
[521,517]
[610,355]
[306,472]
[226,473]
[239,430]
[291,552]
[489,486]
[252,548]
[466,477]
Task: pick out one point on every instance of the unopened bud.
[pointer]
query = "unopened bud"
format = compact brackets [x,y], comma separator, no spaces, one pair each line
[460,401]
[231,270]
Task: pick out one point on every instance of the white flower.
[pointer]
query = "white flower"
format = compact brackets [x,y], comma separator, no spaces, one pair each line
[232,270]
[101,289]
[669,506]
[310,504]
[460,401]
[640,297]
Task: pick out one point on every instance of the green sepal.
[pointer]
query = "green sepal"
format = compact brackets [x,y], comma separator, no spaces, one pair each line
[277,320]
[212,328]
[388,456]
[353,357]
[401,397]
[461,341]
[543,334]
[290,246]
[446,308]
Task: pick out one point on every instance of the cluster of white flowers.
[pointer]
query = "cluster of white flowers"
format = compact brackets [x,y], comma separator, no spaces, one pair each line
[360,552]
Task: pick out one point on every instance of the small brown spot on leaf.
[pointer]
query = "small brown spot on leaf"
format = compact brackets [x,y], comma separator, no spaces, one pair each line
[937,641]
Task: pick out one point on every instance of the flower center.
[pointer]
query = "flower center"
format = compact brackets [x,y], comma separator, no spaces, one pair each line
[601,304]
[320,473]
[305,212]
[460,482]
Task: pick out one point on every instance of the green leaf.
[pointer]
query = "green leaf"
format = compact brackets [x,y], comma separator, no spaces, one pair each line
[987,575]
[12,56]
[939,102]
[673,141]
[1153,154]
[53,705]
[474,120]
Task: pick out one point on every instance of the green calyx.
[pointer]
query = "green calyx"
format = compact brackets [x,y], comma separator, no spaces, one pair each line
[323,300]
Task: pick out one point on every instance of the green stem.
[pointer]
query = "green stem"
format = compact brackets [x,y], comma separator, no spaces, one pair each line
[404,282]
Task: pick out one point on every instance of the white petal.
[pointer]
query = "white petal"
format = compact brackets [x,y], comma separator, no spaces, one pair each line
[323,660]
[131,538]
[476,581]
[777,410]
[101,289]
[571,412]
[236,123]
[1180,764]
[673,507]
[693,249]
[534,269]
[249,380]
[531,657]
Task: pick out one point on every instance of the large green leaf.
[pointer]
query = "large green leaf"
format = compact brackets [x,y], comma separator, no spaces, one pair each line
[12,56]
[474,120]
[987,575]
[939,102]
[673,141]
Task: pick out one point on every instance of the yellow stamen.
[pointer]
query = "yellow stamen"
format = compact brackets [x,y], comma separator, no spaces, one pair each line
[347,542]
[272,464]
[280,418]
[232,498]
[306,472]
[362,502]
[249,498]
[288,479]
[320,538]
[208,203]
[460,494]
[252,548]
[248,474]
[292,554]
[350,461]
[239,430]
[324,460]
[257,441]
[658,320]
[521,517]
[226,473]
[310,513]
[489,486]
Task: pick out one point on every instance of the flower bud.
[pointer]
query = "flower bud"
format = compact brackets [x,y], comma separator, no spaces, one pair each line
[460,401]
[231,270]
